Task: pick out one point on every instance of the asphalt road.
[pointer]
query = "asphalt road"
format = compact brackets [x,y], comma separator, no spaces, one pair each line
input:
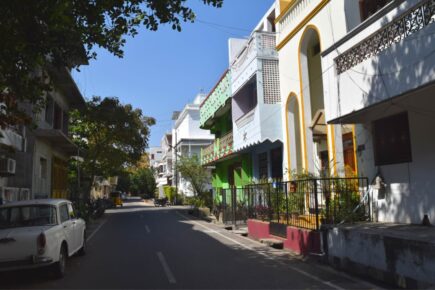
[139,247]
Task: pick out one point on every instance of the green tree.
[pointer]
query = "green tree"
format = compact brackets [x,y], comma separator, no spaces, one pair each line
[143,182]
[191,170]
[40,35]
[112,136]
[124,181]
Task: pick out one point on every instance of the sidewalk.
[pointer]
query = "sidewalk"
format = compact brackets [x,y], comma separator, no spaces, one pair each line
[307,266]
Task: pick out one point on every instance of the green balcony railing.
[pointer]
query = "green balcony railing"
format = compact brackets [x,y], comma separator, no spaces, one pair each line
[220,148]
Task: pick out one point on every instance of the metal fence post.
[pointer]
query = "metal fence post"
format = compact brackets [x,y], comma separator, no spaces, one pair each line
[224,205]
[270,202]
[286,201]
[316,204]
[234,203]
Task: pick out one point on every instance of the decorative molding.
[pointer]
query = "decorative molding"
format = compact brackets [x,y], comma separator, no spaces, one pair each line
[413,20]
[301,24]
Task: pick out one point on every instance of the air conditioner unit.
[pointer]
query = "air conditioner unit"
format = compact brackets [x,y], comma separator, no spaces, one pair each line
[10,194]
[7,166]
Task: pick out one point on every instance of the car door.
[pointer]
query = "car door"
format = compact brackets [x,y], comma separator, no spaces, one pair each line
[77,235]
[67,226]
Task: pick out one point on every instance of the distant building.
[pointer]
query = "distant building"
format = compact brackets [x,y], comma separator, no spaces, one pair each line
[188,139]
[165,165]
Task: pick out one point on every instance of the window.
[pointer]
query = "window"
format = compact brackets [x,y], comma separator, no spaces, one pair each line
[64,214]
[57,117]
[27,216]
[370,7]
[43,168]
[391,138]
[49,110]
[276,158]
[245,100]
[262,165]
[71,212]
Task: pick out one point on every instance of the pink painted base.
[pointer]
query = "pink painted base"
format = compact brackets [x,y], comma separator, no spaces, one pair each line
[300,241]
[258,229]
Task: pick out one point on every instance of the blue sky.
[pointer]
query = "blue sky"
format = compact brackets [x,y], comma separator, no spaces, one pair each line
[162,71]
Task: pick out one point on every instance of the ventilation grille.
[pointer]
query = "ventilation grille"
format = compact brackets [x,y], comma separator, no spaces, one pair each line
[271,82]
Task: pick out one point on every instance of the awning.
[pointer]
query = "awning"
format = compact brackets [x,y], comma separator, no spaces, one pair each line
[419,100]
[318,123]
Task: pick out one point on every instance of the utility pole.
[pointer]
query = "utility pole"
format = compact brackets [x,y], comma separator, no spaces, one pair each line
[175,168]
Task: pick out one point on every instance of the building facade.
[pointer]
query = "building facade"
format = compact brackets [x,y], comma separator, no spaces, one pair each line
[304,30]
[382,79]
[36,159]
[243,111]
[188,140]
[164,171]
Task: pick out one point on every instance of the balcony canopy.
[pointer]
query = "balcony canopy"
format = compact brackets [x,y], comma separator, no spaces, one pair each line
[58,139]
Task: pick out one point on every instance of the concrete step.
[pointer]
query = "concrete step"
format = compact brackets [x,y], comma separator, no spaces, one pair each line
[241,232]
[274,243]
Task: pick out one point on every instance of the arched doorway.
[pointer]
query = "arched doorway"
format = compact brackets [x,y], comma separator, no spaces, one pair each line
[317,133]
[294,136]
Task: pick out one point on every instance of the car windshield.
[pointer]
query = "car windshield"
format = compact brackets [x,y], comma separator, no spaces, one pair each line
[27,216]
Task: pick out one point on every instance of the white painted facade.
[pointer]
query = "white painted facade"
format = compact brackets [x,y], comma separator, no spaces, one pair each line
[256,101]
[399,78]
[165,165]
[303,31]
[188,139]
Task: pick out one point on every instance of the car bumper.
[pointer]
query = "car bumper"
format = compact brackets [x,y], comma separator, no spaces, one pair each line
[31,262]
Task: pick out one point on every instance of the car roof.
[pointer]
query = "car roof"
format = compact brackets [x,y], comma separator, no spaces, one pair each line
[47,201]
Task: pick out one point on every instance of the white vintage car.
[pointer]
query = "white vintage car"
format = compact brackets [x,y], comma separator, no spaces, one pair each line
[40,232]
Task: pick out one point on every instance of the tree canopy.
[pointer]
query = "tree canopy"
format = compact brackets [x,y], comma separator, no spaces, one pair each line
[44,34]
[112,136]
[191,170]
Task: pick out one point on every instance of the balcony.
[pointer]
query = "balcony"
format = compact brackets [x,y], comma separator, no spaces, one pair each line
[221,147]
[260,46]
[216,101]
[58,139]
[387,56]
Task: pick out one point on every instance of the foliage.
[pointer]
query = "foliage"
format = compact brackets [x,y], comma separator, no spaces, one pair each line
[262,211]
[111,135]
[143,182]
[44,34]
[198,178]
[124,181]
[342,206]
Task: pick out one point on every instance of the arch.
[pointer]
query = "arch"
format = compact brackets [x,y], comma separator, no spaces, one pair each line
[293,133]
[311,40]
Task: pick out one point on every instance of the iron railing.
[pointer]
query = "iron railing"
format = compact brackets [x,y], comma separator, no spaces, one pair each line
[305,203]
[221,147]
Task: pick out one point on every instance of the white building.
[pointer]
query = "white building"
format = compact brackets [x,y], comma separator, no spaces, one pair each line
[304,30]
[155,155]
[382,79]
[188,139]
[165,165]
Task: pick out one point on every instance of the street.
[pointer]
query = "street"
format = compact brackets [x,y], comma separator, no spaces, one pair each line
[140,246]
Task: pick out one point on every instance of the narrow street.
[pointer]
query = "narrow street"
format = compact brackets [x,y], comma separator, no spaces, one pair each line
[141,246]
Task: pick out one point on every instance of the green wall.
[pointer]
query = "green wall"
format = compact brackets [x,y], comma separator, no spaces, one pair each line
[244,177]
[222,125]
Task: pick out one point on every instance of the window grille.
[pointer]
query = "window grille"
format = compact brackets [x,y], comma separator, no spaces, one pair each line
[271,82]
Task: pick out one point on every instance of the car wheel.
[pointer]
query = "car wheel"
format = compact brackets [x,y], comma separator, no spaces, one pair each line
[82,250]
[59,266]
